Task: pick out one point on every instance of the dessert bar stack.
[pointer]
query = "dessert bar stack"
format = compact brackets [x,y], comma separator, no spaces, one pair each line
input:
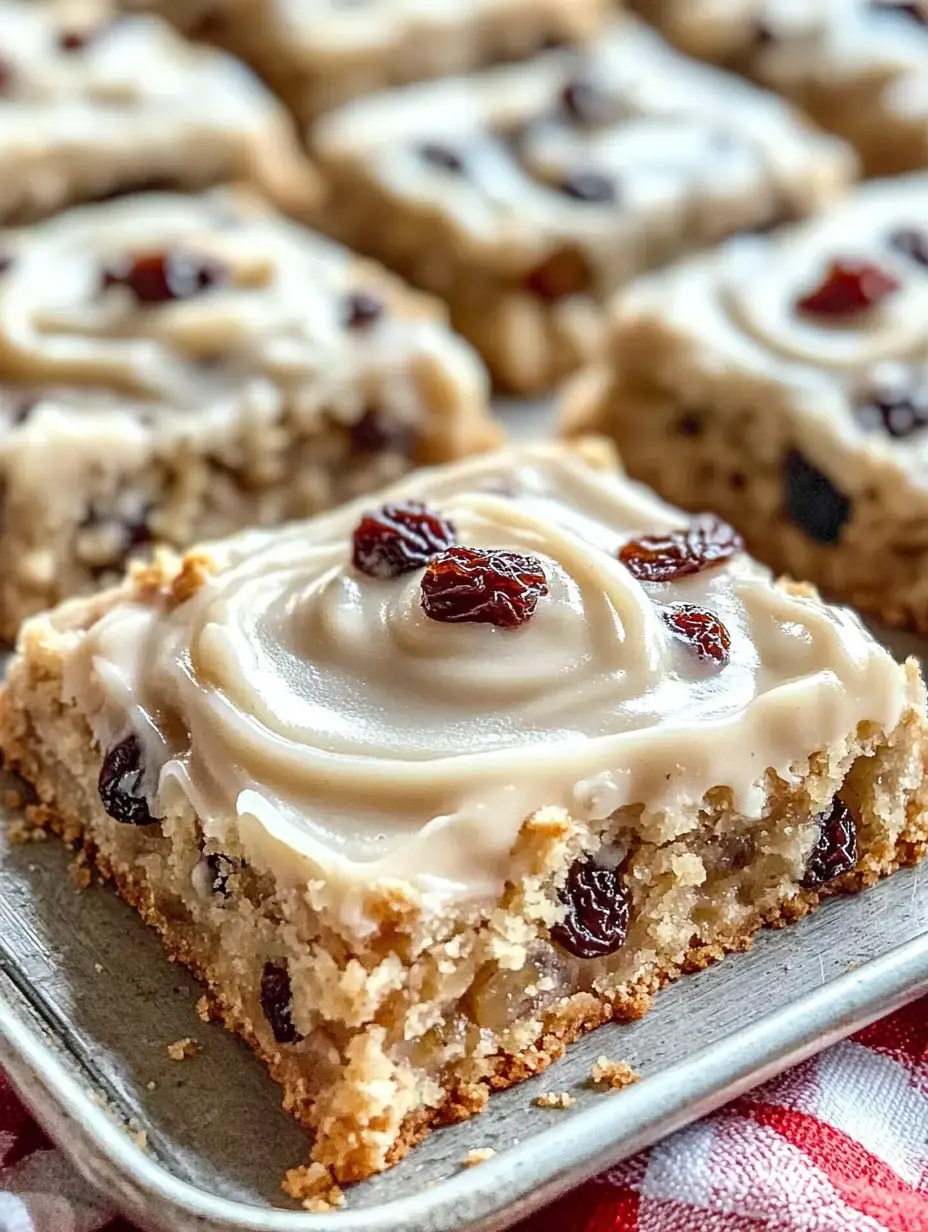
[429,753]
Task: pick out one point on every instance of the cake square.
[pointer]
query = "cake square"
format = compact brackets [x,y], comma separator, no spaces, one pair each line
[94,102]
[320,53]
[425,788]
[175,367]
[781,381]
[859,67]
[525,195]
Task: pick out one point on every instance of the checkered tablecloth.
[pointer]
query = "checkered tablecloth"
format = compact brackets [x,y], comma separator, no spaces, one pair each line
[839,1144]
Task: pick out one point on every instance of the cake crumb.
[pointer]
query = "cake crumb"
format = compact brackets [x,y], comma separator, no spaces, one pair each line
[22,830]
[152,1085]
[555,1099]
[140,1138]
[204,1009]
[98,967]
[79,871]
[313,1186]
[183,1049]
[479,1155]
[13,799]
[614,1074]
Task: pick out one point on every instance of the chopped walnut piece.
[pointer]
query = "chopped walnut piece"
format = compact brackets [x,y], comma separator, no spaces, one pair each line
[614,1074]
[555,1099]
[479,1155]
[183,1049]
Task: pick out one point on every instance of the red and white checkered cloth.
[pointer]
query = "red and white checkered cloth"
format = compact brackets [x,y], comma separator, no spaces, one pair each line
[839,1144]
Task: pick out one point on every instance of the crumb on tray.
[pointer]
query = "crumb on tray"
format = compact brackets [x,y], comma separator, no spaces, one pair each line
[555,1099]
[183,1049]
[479,1155]
[614,1074]
[313,1186]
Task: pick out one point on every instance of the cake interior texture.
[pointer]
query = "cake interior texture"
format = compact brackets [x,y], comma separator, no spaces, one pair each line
[605,753]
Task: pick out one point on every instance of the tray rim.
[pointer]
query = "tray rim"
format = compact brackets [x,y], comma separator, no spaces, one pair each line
[506,1187]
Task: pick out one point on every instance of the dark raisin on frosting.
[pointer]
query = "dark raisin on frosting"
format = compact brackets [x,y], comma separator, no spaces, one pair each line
[362,310]
[916,9]
[398,538]
[897,410]
[120,783]
[164,276]
[598,910]
[849,287]
[811,501]
[912,242]
[276,997]
[584,102]
[474,586]
[835,851]
[705,543]
[589,186]
[700,630]
[438,154]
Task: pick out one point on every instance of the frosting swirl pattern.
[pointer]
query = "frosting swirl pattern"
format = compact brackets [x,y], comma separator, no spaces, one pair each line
[318,715]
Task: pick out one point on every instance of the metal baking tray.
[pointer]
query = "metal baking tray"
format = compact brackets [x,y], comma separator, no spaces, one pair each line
[89,1003]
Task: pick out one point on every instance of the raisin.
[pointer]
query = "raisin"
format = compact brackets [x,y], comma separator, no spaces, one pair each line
[898,411]
[493,587]
[585,103]
[6,261]
[848,287]
[835,851]
[378,431]
[811,501]
[160,277]
[763,35]
[598,906]
[565,272]
[589,186]
[706,542]
[700,629]
[689,425]
[398,538]
[443,156]
[7,77]
[362,310]
[276,996]
[120,784]
[912,243]
[73,40]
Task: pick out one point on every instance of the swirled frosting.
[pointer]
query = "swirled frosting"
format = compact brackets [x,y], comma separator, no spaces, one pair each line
[317,714]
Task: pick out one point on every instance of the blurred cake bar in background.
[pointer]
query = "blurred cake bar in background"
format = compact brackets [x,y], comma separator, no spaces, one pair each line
[524,195]
[859,67]
[319,53]
[430,785]
[782,382]
[178,367]
[94,103]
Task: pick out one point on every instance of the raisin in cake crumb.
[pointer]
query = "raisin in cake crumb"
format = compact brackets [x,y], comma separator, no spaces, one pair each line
[613,1074]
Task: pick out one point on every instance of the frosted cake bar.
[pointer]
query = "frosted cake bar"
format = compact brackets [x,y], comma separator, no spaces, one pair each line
[783,381]
[176,367]
[94,102]
[525,195]
[319,53]
[859,67]
[431,784]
